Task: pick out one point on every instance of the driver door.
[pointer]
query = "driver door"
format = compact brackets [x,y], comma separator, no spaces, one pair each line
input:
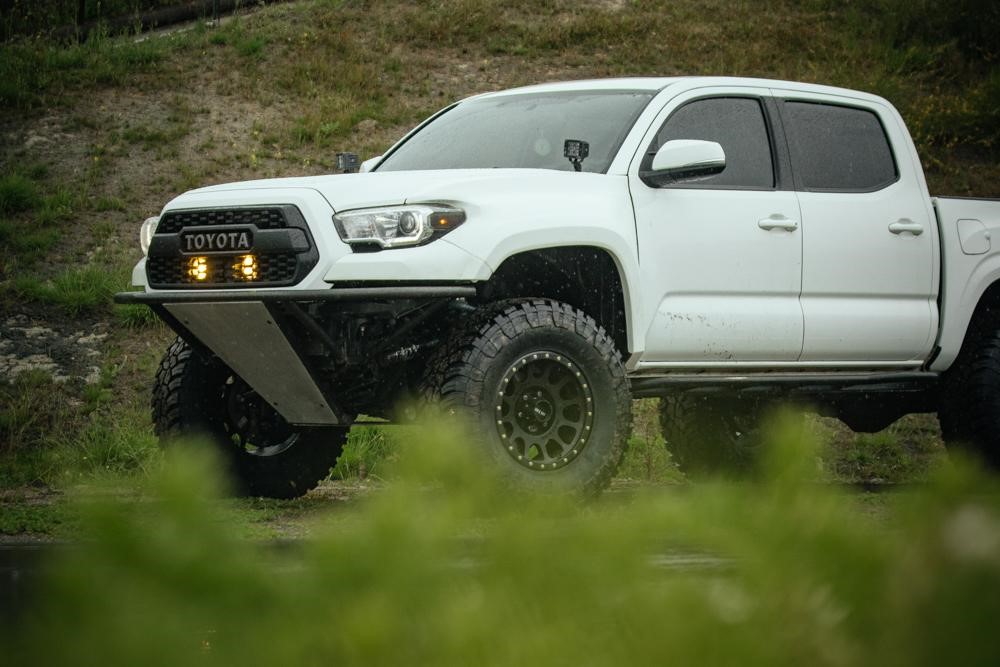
[720,257]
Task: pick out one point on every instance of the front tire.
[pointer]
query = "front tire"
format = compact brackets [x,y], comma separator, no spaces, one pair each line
[544,386]
[197,395]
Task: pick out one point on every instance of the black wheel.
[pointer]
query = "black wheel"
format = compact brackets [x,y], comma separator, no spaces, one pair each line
[546,388]
[197,395]
[969,411]
[711,434]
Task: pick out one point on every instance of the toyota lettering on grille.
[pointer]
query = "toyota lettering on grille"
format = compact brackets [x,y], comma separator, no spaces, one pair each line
[230,240]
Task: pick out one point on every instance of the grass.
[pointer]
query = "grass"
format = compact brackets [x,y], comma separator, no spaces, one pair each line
[154,137]
[25,243]
[134,316]
[903,452]
[647,458]
[109,203]
[55,434]
[111,443]
[34,410]
[31,223]
[57,208]
[25,419]
[35,73]
[31,515]
[18,193]
[369,452]
[778,572]
[75,291]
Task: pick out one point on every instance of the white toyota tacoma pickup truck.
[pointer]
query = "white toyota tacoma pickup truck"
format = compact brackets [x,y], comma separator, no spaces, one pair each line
[534,258]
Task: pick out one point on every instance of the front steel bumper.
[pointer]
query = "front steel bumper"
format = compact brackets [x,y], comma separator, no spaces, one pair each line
[246,331]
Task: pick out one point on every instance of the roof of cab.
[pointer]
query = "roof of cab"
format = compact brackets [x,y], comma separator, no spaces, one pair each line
[656,84]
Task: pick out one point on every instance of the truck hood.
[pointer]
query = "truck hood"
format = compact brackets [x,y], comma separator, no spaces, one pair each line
[350,191]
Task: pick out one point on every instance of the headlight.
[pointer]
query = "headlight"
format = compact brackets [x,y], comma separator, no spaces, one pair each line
[397,226]
[146,233]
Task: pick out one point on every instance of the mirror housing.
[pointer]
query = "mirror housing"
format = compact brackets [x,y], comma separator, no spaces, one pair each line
[684,160]
[367,165]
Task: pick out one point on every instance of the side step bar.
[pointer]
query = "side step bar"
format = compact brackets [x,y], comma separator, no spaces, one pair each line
[791,384]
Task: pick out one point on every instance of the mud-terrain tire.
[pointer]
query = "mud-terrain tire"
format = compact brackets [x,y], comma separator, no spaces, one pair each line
[969,411]
[711,435]
[196,395]
[544,386]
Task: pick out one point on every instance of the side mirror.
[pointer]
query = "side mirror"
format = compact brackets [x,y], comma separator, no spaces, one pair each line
[367,165]
[684,160]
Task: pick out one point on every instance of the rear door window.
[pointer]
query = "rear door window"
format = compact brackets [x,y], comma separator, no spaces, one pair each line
[836,148]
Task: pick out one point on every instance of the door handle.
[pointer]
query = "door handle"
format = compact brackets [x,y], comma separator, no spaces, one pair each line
[906,225]
[780,222]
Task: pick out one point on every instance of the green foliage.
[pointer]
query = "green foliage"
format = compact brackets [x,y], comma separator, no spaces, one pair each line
[112,442]
[944,52]
[904,452]
[57,207]
[29,221]
[32,405]
[152,137]
[18,515]
[37,72]
[109,203]
[136,316]
[18,193]
[779,572]
[368,452]
[52,433]
[25,241]
[647,458]
[251,47]
[75,291]
[971,26]
[32,408]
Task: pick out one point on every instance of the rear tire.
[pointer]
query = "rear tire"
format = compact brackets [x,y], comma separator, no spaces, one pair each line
[711,435]
[970,404]
[544,386]
[196,395]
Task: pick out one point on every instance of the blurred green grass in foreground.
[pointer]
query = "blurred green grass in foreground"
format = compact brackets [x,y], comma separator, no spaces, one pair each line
[445,567]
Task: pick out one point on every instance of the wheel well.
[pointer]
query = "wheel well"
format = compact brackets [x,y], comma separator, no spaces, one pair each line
[987,313]
[989,302]
[582,276]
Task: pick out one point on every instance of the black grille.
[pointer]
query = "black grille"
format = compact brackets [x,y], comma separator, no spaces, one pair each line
[283,248]
[262,218]
[277,268]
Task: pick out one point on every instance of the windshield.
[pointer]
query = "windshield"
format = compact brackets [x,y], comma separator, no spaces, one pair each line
[522,131]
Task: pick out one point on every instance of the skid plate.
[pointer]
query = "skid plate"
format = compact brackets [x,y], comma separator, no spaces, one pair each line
[245,336]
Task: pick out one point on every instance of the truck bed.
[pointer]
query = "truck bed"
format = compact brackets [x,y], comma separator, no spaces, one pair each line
[970,263]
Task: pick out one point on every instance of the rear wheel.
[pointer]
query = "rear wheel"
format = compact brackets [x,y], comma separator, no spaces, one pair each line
[545,387]
[970,405]
[197,395]
[711,434]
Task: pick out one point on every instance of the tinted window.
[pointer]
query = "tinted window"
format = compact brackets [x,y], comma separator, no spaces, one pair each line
[735,123]
[838,148]
[525,130]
